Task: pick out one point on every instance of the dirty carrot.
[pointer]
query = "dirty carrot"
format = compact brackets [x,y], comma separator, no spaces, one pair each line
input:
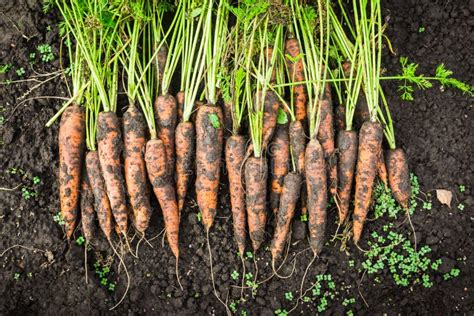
[316,185]
[382,168]
[399,176]
[286,211]
[209,139]
[347,146]
[296,73]
[156,165]
[87,207]
[279,151]
[134,166]
[166,113]
[101,201]
[185,142]
[71,151]
[234,156]
[370,141]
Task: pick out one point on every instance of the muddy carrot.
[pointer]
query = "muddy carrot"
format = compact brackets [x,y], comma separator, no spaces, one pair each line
[270,114]
[110,149]
[399,176]
[101,200]
[234,156]
[382,168]
[326,138]
[87,207]
[297,145]
[316,186]
[296,73]
[347,146]
[209,139]
[134,166]
[160,178]
[279,151]
[166,114]
[71,150]
[184,159]
[180,101]
[256,193]
[370,140]
[286,211]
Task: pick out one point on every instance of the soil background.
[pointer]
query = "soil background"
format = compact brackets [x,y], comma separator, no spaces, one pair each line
[49,277]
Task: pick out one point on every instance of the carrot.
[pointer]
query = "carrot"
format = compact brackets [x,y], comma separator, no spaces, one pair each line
[227,111]
[286,211]
[209,138]
[316,186]
[234,157]
[347,145]
[270,114]
[297,145]
[110,148]
[160,61]
[340,117]
[71,151]
[87,207]
[326,138]
[160,178]
[134,166]
[101,201]
[256,193]
[180,101]
[382,168]
[184,159]
[370,140]
[296,72]
[166,114]
[279,150]
[399,176]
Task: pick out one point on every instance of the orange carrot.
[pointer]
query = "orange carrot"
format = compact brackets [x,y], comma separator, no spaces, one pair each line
[87,207]
[184,159]
[297,145]
[256,193]
[316,186]
[166,114]
[110,148]
[234,156]
[399,176]
[134,167]
[209,139]
[382,168]
[326,138]
[270,115]
[347,145]
[340,117]
[286,211]
[180,100]
[296,73]
[370,141]
[279,150]
[71,151]
[160,178]
[101,201]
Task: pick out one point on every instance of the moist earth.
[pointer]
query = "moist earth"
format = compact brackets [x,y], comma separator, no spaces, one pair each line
[45,274]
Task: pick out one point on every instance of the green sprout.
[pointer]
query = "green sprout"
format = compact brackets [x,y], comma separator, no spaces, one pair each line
[234,275]
[45,52]
[36,180]
[248,255]
[20,72]
[58,218]
[199,216]
[461,207]
[80,240]
[233,306]
[421,29]
[462,188]
[304,217]
[289,296]
[281,312]
[16,276]
[4,68]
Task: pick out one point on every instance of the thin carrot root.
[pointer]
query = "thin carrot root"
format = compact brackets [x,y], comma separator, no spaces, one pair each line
[279,151]
[110,143]
[87,207]
[297,145]
[382,168]
[71,150]
[370,141]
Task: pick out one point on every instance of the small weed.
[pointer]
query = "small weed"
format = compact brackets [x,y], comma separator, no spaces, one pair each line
[348,301]
[199,216]
[45,52]
[27,194]
[32,57]
[281,312]
[427,206]
[20,72]
[454,273]
[351,263]
[29,275]
[304,217]
[248,255]
[289,296]
[36,180]
[16,276]
[233,306]
[234,275]
[322,291]
[102,271]
[421,29]
[462,188]
[58,218]
[461,207]
[80,240]
[4,68]
[243,312]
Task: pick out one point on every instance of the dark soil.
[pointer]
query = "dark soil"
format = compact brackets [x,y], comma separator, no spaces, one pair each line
[48,276]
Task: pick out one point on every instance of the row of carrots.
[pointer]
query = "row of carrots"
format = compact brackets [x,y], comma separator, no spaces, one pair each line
[272,69]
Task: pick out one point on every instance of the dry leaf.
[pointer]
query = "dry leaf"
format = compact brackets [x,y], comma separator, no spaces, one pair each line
[444,196]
